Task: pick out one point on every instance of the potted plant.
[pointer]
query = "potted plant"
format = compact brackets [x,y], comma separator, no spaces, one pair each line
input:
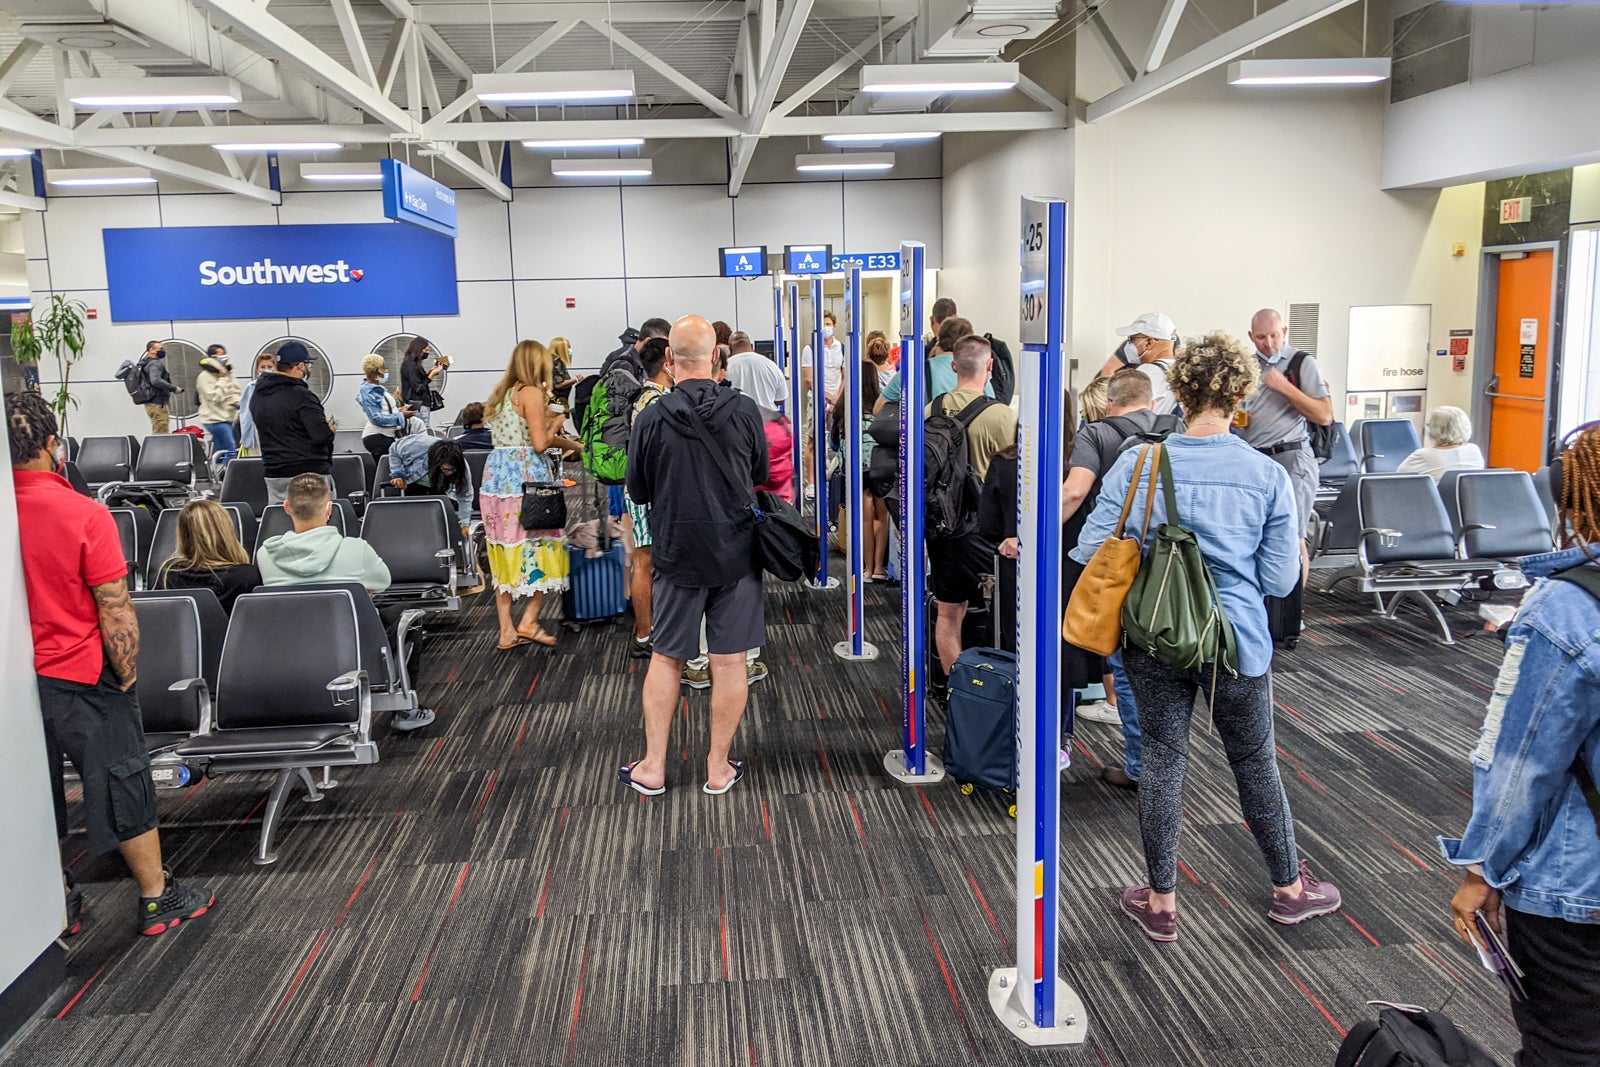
[57,330]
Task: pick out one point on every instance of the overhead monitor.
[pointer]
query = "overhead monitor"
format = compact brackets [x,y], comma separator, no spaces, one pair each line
[807,259]
[748,261]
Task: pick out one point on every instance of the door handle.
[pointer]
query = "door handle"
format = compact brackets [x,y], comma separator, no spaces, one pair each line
[1489,390]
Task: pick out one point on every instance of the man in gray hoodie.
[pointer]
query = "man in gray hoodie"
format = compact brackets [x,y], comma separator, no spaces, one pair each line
[317,553]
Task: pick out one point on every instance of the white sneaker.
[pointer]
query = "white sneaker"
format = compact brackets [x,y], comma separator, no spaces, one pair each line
[1063,760]
[1099,711]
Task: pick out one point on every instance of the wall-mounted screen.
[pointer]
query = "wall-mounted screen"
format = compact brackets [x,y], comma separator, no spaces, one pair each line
[807,259]
[748,261]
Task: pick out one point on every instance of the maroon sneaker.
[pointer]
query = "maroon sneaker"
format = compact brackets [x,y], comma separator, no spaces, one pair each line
[1157,925]
[1316,898]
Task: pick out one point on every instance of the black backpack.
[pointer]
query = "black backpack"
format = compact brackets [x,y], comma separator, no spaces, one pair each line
[1164,427]
[1323,438]
[950,506]
[136,379]
[1004,377]
[1401,1038]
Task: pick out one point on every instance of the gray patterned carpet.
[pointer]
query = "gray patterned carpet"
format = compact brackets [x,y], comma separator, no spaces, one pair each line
[489,895]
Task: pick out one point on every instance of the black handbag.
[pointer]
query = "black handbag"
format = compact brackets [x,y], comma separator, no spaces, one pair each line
[544,506]
[783,544]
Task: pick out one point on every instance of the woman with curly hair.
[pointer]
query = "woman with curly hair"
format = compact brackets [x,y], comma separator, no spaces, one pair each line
[1240,506]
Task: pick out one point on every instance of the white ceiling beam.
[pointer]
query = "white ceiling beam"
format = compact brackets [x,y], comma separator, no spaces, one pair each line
[916,122]
[361,61]
[394,53]
[1161,40]
[773,68]
[136,157]
[414,64]
[525,55]
[789,126]
[400,9]
[1287,17]
[22,200]
[32,130]
[448,56]
[566,129]
[666,70]
[1039,94]
[1112,47]
[229,159]
[66,114]
[840,65]
[18,60]
[160,137]
[509,13]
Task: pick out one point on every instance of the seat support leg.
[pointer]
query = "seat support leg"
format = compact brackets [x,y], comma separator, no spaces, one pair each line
[328,781]
[313,794]
[269,818]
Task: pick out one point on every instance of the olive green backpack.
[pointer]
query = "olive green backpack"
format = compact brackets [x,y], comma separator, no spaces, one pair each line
[1172,611]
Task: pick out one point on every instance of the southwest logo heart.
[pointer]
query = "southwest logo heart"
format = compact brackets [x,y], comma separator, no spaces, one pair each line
[358,274]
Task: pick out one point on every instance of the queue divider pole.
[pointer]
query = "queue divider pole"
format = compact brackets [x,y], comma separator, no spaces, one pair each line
[778,354]
[1031,1000]
[912,763]
[819,436]
[796,398]
[855,646]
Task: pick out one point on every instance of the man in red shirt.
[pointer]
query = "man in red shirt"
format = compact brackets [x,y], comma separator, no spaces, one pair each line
[86,657]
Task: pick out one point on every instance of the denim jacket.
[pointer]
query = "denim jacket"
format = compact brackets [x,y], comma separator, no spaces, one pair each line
[408,459]
[1531,829]
[1241,508]
[383,416]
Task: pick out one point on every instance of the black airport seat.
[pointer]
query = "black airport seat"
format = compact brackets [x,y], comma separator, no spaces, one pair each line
[191,625]
[385,663]
[1385,443]
[75,478]
[1547,497]
[476,459]
[380,480]
[244,483]
[266,718]
[1343,462]
[172,457]
[1498,514]
[106,459]
[418,540]
[351,479]
[348,441]
[454,430]
[244,523]
[72,449]
[136,529]
[164,542]
[277,521]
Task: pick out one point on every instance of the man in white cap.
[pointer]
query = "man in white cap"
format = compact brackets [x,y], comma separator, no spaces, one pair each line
[1149,346]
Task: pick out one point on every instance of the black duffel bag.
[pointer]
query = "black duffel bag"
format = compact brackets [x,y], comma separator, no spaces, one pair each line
[1401,1038]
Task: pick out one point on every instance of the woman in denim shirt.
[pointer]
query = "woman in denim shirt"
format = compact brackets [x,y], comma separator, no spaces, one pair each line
[1241,508]
[384,414]
[1533,844]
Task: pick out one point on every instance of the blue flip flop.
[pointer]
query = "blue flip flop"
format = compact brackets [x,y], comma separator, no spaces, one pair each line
[625,776]
[738,773]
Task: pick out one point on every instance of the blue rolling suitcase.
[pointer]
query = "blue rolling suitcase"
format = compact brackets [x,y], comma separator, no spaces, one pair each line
[596,591]
[980,737]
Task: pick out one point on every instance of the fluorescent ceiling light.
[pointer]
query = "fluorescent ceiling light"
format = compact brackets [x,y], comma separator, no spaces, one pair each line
[341,172]
[553,86]
[8,152]
[152,92]
[601,168]
[833,163]
[584,142]
[279,146]
[83,176]
[877,138]
[939,77]
[1351,71]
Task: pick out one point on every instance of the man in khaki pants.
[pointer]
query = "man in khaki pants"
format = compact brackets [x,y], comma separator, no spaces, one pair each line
[157,385]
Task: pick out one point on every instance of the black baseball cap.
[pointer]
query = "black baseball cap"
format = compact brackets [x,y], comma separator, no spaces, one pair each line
[291,352]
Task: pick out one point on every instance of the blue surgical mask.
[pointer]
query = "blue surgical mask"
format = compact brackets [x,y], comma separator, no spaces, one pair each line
[827,332]
[383,377]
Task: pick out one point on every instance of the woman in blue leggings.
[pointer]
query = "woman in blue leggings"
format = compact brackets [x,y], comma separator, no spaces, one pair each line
[1241,508]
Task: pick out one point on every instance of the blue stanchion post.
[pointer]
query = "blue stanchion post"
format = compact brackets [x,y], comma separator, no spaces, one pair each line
[819,433]
[778,354]
[856,645]
[912,763]
[1035,1005]
[797,396]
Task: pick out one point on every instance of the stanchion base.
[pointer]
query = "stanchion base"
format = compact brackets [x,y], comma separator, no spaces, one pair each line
[868,651]
[1072,1018]
[894,762]
[817,587]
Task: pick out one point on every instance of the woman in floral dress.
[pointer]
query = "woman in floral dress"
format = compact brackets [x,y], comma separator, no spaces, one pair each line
[522,563]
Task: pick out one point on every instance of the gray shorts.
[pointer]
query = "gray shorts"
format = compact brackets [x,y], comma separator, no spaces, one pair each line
[1304,475]
[734,615]
[278,488]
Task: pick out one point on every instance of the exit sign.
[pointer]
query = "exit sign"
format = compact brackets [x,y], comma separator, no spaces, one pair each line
[1517,210]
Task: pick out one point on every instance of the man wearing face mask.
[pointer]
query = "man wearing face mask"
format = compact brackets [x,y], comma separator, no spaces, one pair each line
[295,434]
[832,384]
[157,385]
[1151,339]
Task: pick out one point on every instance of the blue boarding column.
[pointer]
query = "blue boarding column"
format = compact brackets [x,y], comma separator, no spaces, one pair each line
[779,356]
[819,435]
[855,646]
[797,396]
[1032,1001]
[912,763]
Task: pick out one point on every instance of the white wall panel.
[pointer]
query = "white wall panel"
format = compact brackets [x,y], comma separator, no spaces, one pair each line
[802,213]
[592,326]
[753,304]
[482,336]
[104,410]
[345,341]
[33,234]
[673,298]
[221,209]
[242,338]
[351,205]
[567,233]
[483,251]
[880,215]
[676,231]
[39,276]
[72,235]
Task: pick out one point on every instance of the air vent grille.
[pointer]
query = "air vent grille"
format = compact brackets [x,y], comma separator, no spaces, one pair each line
[1303,322]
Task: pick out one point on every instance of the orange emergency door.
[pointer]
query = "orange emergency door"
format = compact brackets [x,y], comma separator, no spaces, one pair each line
[1517,400]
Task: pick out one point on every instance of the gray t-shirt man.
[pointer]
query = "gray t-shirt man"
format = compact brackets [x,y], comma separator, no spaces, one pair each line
[1271,423]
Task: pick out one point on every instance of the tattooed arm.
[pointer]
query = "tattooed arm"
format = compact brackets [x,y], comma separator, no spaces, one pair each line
[119,629]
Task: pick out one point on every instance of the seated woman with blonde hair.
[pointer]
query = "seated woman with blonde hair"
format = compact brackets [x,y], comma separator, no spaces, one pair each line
[209,555]
[1449,446]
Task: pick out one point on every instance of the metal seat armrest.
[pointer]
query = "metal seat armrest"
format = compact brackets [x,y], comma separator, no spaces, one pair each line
[357,682]
[447,561]
[186,685]
[1386,536]
[1461,538]
[107,488]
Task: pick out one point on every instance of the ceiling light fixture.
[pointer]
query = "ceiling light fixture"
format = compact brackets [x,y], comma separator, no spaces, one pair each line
[279,146]
[152,93]
[1349,71]
[341,172]
[878,138]
[553,86]
[601,168]
[839,163]
[939,77]
[584,142]
[9,152]
[87,176]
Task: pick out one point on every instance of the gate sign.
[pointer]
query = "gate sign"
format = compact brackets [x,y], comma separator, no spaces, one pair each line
[909,326]
[411,196]
[206,273]
[866,261]
[747,262]
[808,259]
[1035,271]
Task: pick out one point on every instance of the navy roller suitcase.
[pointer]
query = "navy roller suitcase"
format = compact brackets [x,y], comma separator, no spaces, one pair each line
[596,591]
[980,735]
[1286,616]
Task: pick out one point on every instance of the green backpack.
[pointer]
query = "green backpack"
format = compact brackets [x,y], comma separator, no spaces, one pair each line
[608,421]
[1172,611]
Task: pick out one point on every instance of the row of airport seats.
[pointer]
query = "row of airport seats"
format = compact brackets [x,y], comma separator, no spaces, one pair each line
[172,464]
[356,478]
[1403,538]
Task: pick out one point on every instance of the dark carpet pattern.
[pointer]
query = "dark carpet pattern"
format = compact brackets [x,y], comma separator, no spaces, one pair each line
[489,895]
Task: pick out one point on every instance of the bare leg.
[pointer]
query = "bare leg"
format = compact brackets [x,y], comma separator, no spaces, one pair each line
[640,583]
[143,854]
[730,687]
[1111,691]
[502,610]
[529,626]
[661,683]
[947,633]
